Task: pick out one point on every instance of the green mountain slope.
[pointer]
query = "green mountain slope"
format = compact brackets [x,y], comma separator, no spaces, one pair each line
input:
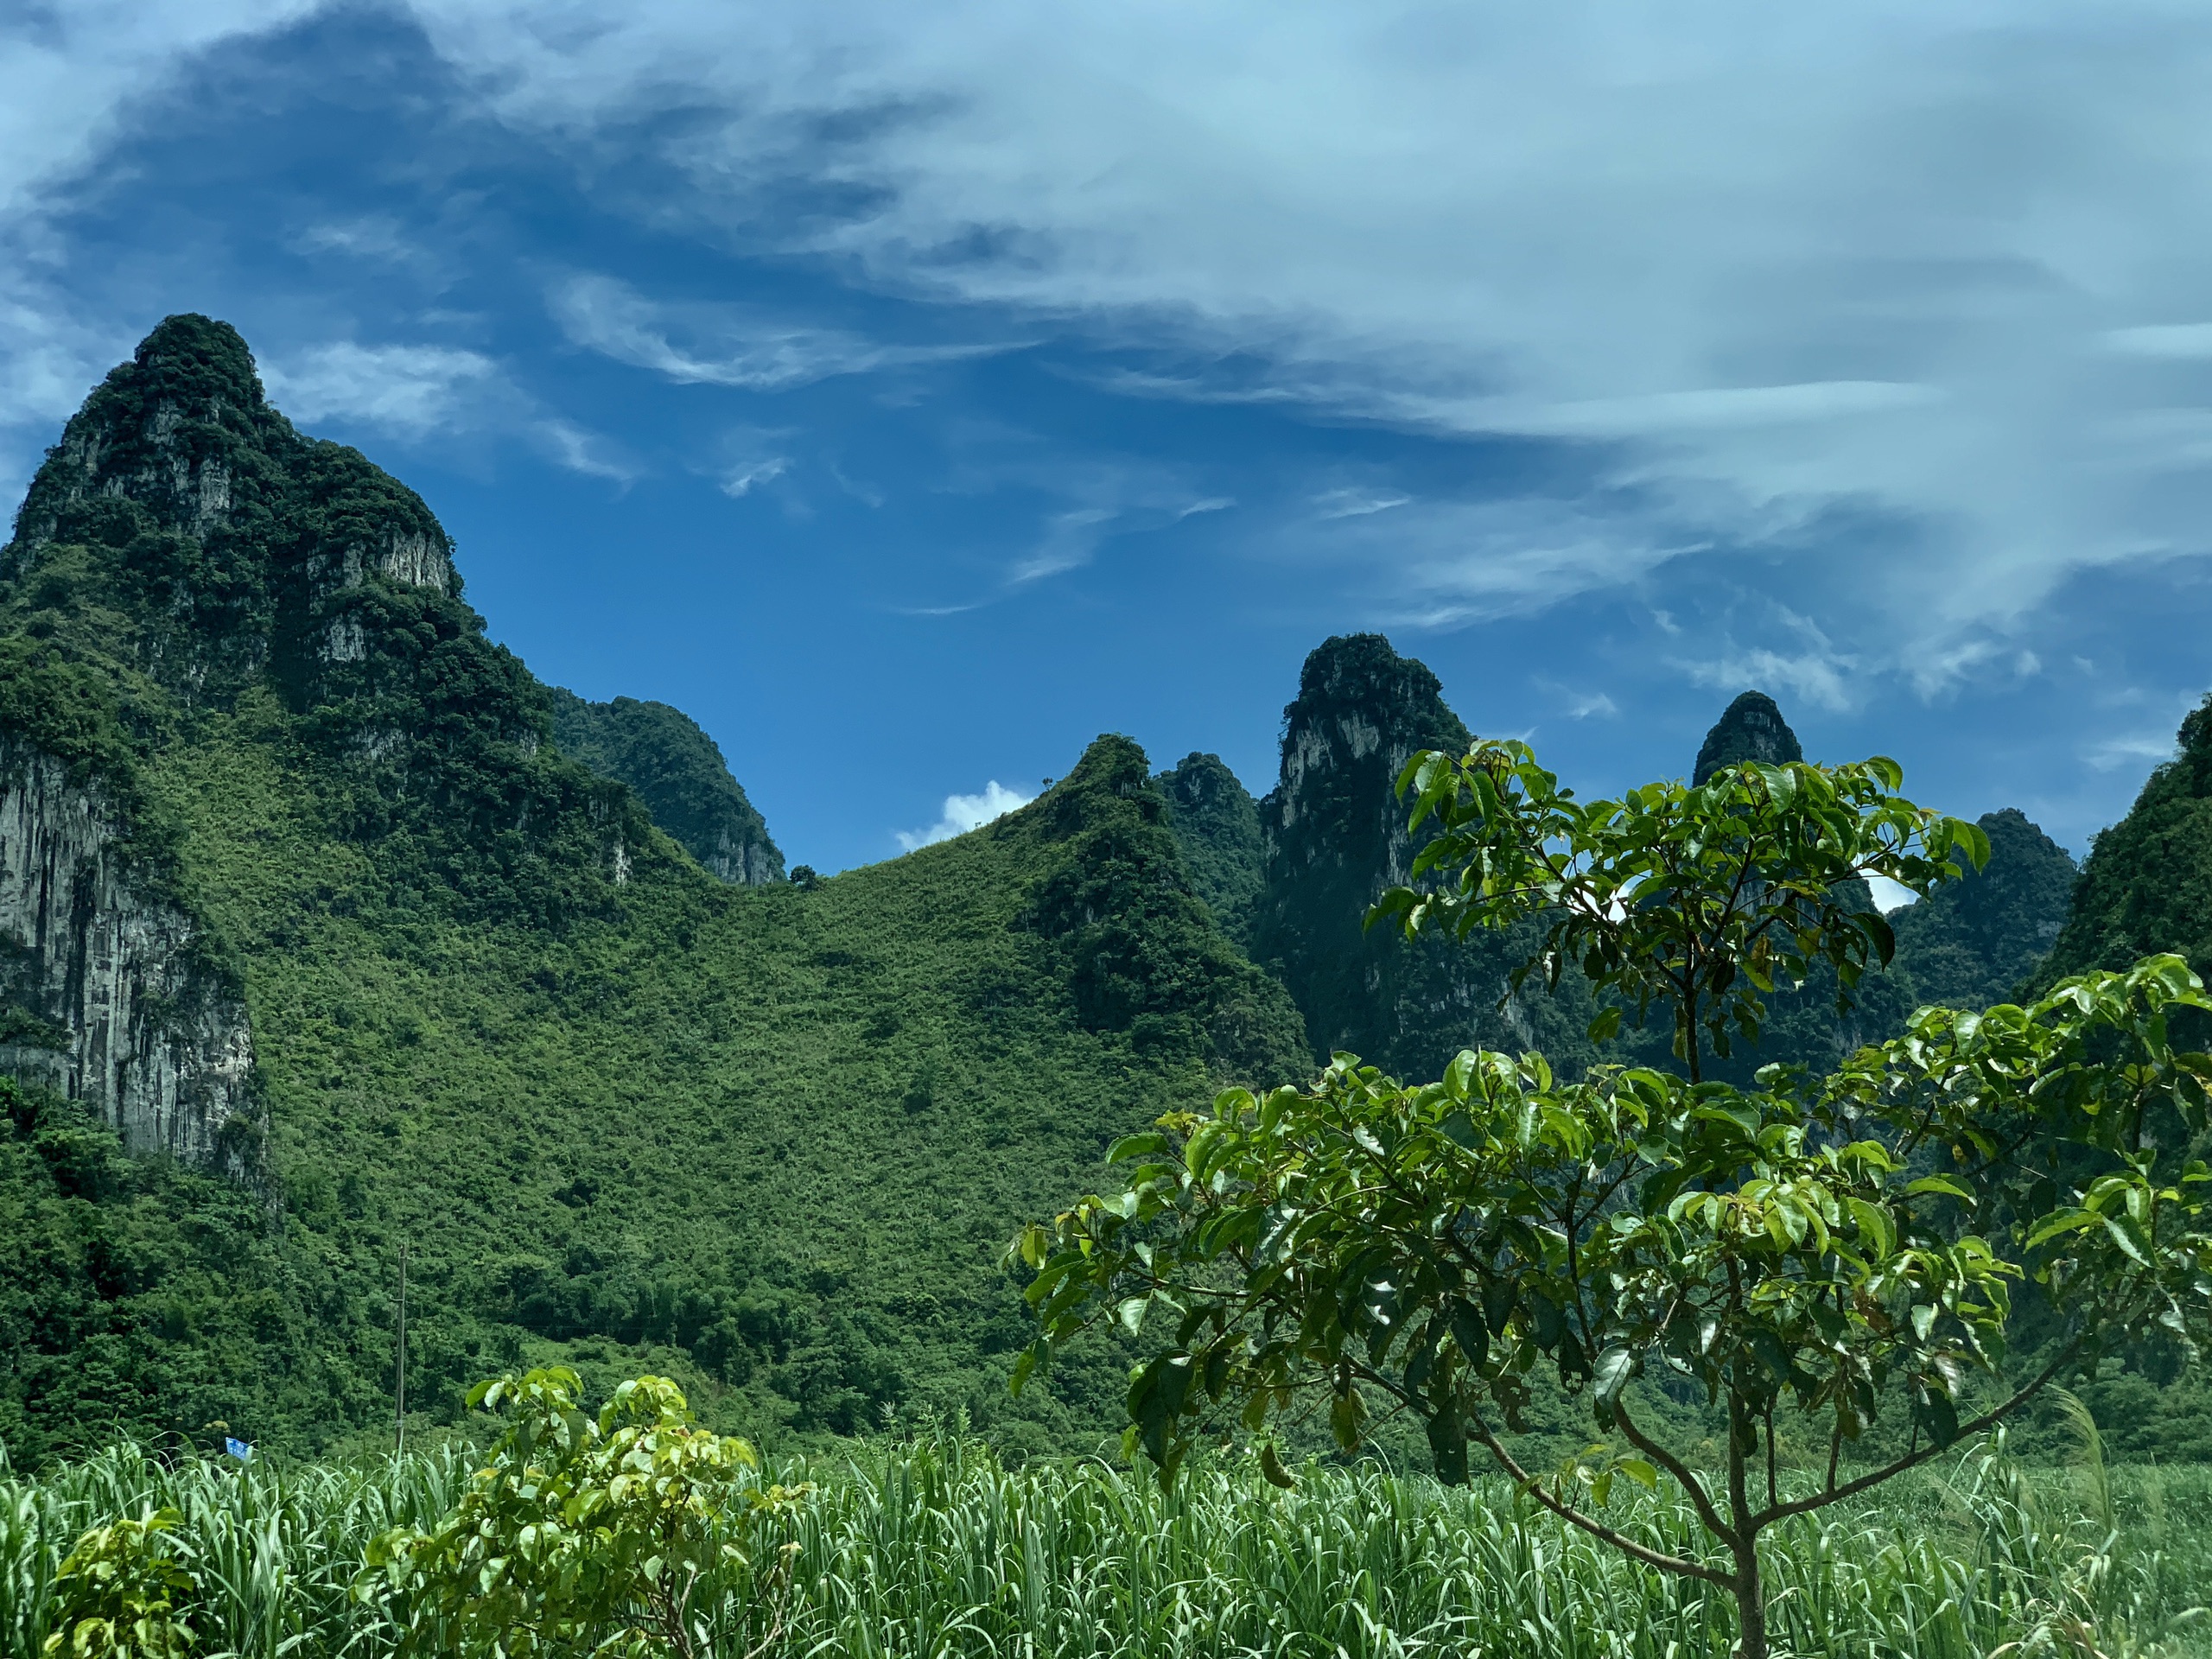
[1217,823]
[616,1110]
[678,772]
[1976,941]
[2146,883]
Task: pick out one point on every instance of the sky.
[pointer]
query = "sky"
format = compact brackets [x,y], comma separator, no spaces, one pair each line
[912,393]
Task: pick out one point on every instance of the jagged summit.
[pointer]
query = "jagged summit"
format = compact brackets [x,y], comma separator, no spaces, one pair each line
[1335,837]
[220,542]
[1752,729]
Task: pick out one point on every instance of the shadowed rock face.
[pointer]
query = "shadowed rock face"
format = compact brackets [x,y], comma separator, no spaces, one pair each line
[1752,729]
[140,1027]
[1335,837]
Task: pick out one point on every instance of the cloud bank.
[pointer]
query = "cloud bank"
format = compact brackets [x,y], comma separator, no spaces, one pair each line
[1942,262]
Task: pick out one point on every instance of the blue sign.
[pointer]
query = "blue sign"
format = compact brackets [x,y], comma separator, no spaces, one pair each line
[237,1449]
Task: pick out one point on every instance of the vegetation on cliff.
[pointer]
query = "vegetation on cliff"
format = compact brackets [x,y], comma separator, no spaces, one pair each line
[618,1110]
[678,772]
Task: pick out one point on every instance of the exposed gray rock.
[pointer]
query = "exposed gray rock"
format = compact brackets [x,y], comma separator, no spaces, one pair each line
[1750,729]
[157,1040]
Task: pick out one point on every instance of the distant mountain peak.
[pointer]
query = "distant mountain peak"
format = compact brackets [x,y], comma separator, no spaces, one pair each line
[1752,729]
[678,772]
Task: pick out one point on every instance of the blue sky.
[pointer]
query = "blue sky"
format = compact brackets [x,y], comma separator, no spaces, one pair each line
[912,393]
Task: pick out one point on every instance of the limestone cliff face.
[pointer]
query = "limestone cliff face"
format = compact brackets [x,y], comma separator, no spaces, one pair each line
[142,1028]
[232,542]
[1335,837]
[1750,728]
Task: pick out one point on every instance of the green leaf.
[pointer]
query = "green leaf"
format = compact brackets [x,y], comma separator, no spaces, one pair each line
[1271,1466]
[1606,1026]
[1447,1446]
[1467,1329]
[1135,1146]
[1611,1373]
[1946,1183]
[2129,1235]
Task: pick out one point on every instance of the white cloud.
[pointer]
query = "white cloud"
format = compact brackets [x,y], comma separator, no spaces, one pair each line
[577,450]
[377,237]
[964,813]
[410,390]
[69,69]
[721,344]
[1890,895]
[1070,539]
[2133,751]
[741,480]
[1913,258]
[1817,675]
[1938,262]
[2181,340]
[1356,503]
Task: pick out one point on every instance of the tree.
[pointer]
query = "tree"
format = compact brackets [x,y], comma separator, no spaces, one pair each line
[585,1534]
[122,1594]
[1844,1250]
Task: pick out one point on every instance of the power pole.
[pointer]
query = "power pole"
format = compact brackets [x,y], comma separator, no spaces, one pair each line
[402,1389]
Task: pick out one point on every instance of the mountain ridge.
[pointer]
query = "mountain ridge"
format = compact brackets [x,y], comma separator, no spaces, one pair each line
[625,1115]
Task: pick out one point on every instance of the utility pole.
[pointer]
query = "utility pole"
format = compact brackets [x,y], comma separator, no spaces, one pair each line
[402,1389]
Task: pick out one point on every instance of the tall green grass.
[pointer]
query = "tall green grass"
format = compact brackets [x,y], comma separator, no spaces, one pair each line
[935,1548]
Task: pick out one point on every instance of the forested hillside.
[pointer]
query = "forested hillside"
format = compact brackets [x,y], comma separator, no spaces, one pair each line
[678,772]
[2146,883]
[614,1107]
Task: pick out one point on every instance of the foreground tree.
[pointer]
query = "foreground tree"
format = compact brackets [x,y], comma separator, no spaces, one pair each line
[589,1535]
[122,1594]
[1840,1249]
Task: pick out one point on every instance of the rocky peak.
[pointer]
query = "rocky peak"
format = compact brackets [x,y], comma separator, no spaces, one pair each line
[1752,729]
[180,500]
[1361,713]
[1334,835]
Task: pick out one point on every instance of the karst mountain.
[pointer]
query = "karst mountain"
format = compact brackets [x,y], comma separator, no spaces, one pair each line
[330,932]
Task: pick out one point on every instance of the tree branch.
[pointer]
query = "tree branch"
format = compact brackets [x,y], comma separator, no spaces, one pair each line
[1681,1474]
[1597,1529]
[1912,1459]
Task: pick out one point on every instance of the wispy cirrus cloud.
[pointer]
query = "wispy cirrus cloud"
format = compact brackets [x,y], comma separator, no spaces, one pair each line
[1757,264]
[410,390]
[721,345]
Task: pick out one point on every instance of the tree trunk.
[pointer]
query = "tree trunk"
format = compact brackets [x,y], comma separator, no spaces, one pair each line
[1750,1594]
[1751,1602]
